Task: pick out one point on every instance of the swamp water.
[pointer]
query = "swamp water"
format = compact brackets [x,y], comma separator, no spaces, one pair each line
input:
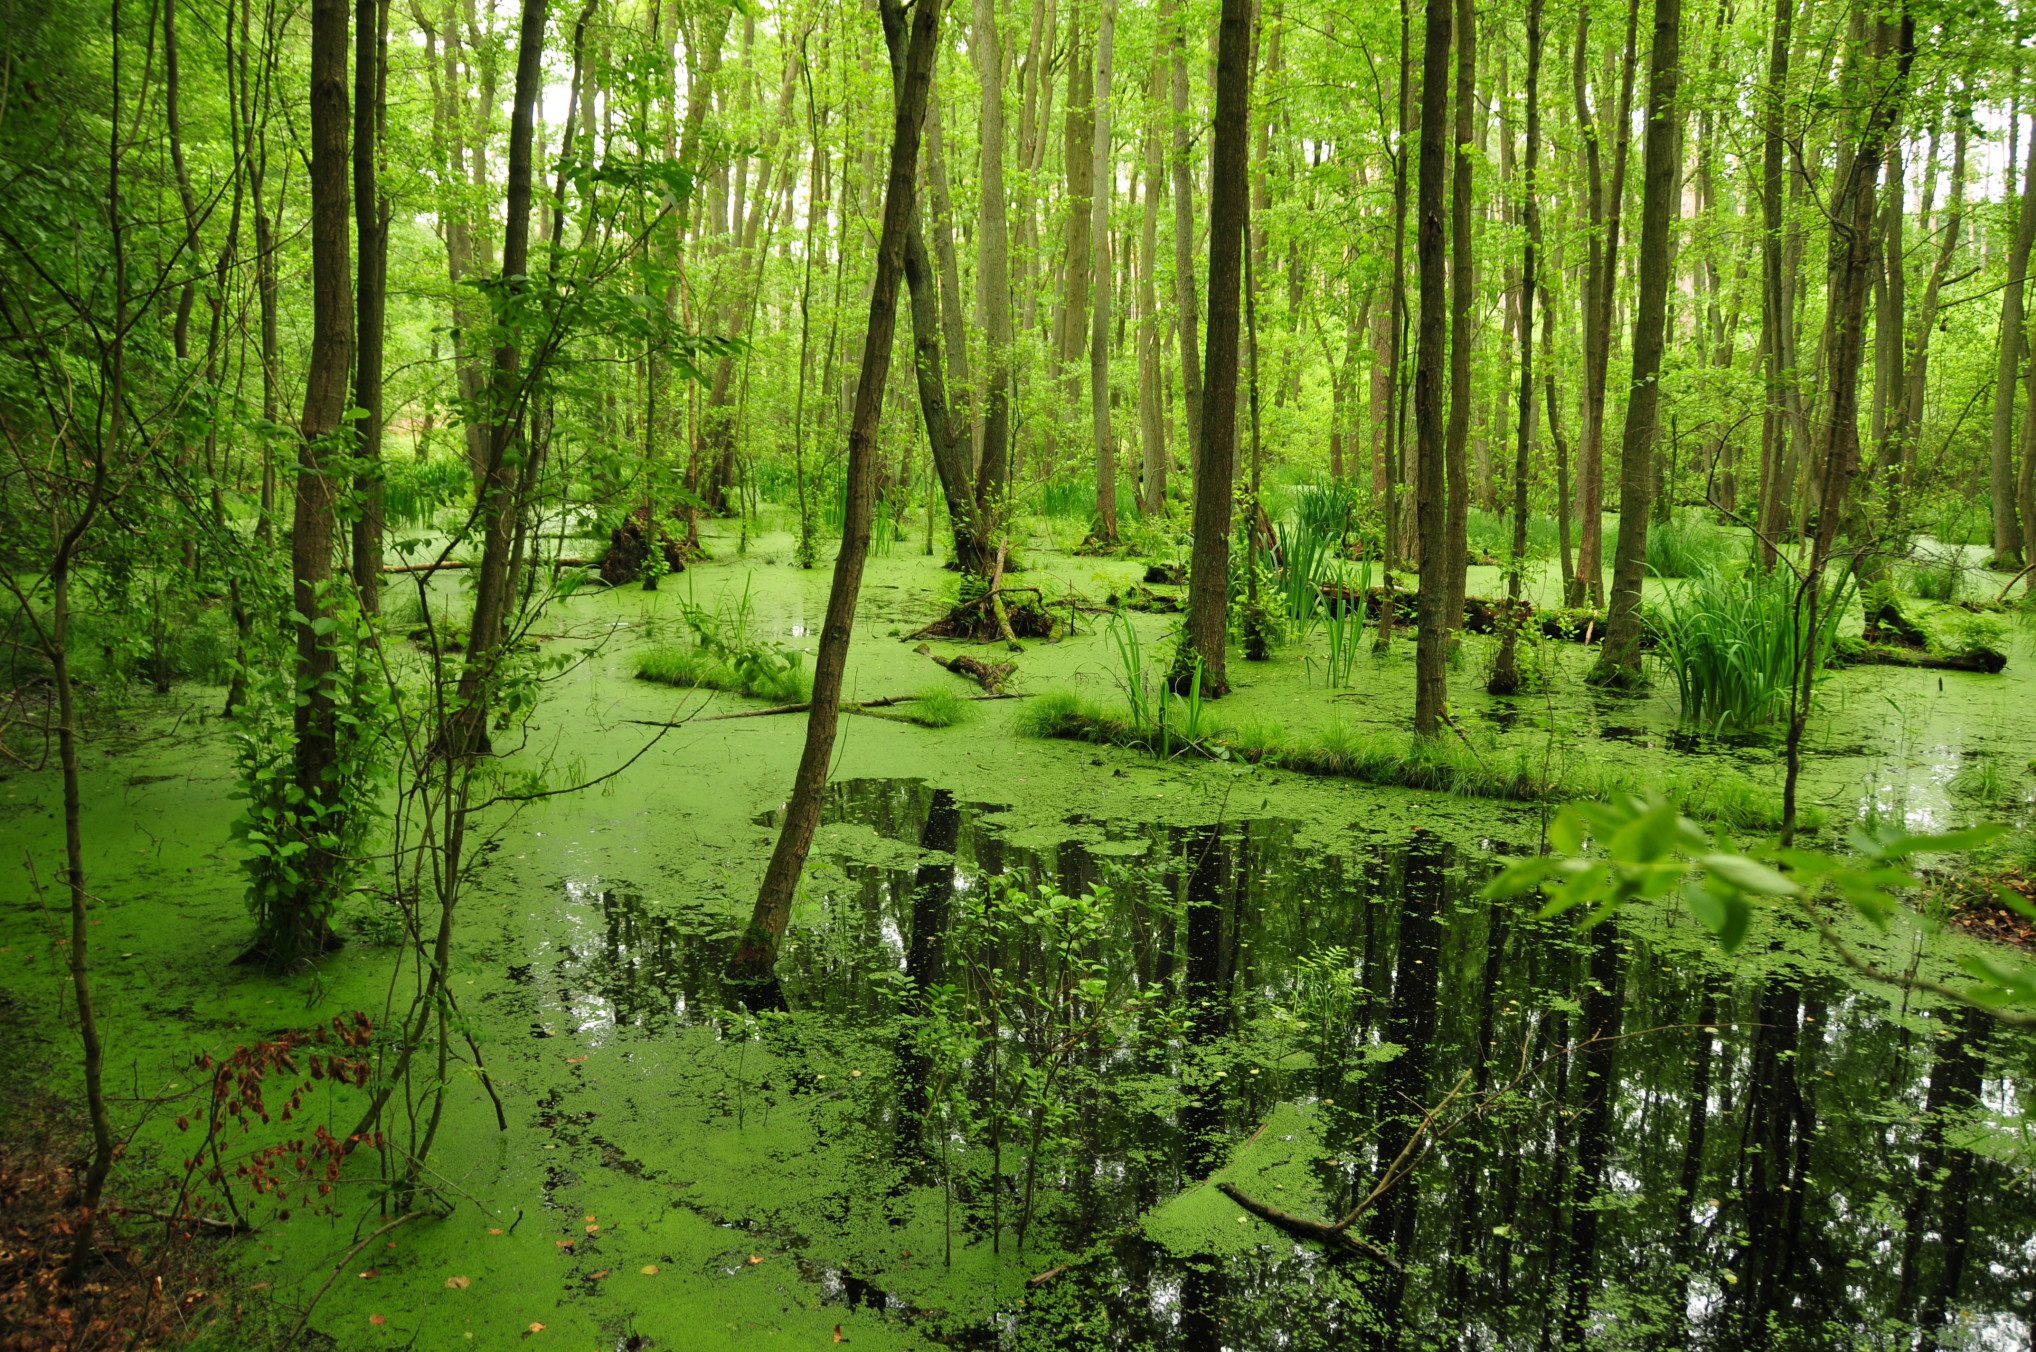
[983,1085]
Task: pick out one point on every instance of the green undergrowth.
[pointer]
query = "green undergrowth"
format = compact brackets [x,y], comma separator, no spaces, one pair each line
[1401,760]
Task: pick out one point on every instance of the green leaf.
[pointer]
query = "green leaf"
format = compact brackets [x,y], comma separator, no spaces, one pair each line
[1566,832]
[1524,876]
[1725,913]
[1949,842]
[1748,875]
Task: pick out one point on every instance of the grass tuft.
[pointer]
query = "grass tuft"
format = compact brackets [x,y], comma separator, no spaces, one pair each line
[938,707]
[695,668]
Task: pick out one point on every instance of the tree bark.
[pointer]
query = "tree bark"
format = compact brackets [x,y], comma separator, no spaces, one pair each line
[1619,661]
[1505,678]
[1185,303]
[1151,432]
[506,409]
[1102,177]
[2007,532]
[1462,326]
[757,951]
[1216,457]
[1431,676]
[371,290]
[296,927]
[993,283]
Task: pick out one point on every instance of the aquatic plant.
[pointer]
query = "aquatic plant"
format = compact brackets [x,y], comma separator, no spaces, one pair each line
[1734,643]
[1980,779]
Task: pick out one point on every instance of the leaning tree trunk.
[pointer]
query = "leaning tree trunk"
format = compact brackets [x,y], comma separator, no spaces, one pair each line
[756,953]
[506,409]
[1619,663]
[1879,72]
[1216,456]
[1431,640]
[295,924]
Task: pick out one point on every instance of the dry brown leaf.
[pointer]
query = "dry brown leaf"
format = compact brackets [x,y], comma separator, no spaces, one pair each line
[459,1283]
[378,1319]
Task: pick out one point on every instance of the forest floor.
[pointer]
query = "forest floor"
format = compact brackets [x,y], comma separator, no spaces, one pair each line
[653,1183]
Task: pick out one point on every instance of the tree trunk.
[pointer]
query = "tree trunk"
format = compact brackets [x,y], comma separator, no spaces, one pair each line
[1102,177]
[2007,532]
[1619,662]
[1151,433]
[371,290]
[1431,676]
[1188,307]
[1216,456]
[1505,678]
[1462,326]
[1777,324]
[756,954]
[296,926]
[1916,371]
[507,412]
[993,283]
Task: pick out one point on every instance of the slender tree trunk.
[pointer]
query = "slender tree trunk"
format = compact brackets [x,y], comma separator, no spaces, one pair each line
[1619,663]
[1184,226]
[1395,543]
[993,284]
[1916,371]
[1505,678]
[1462,326]
[296,927]
[1153,455]
[1102,177]
[371,241]
[756,954]
[1431,642]
[1777,324]
[507,409]
[1878,76]
[2007,532]
[1216,457]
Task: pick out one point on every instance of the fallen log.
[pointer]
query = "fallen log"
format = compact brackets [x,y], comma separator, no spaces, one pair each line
[800,708]
[989,675]
[468,563]
[1332,1238]
[1986,662]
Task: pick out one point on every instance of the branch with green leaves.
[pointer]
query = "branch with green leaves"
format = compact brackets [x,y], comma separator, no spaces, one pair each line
[1606,855]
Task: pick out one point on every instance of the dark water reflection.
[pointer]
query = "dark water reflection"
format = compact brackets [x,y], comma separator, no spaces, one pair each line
[1690,1156]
